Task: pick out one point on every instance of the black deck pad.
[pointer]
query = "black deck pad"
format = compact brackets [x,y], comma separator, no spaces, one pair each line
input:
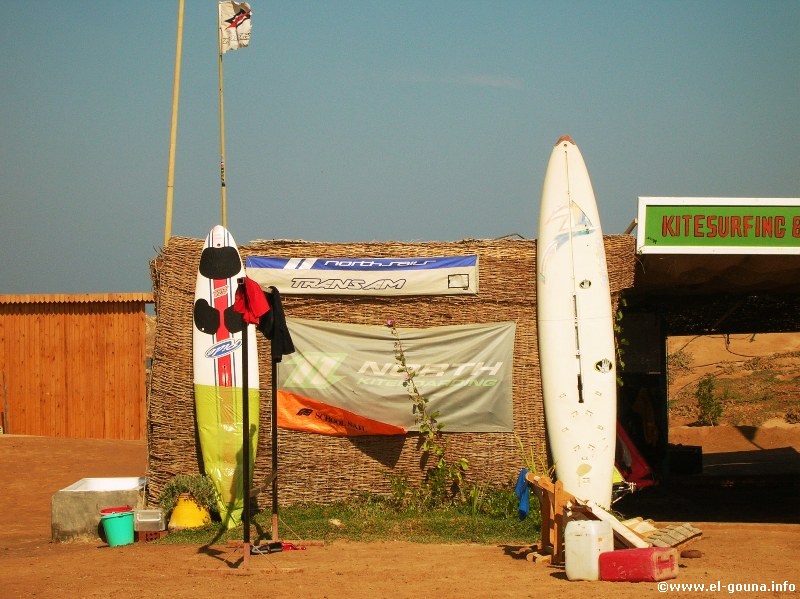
[233,320]
[206,317]
[220,263]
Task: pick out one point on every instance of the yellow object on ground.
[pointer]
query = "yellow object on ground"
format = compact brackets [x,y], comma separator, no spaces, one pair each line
[187,514]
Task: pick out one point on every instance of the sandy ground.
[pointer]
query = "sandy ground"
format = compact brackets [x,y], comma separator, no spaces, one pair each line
[33,468]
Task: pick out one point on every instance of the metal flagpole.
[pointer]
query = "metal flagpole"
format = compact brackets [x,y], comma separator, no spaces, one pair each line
[176,90]
[274,431]
[223,199]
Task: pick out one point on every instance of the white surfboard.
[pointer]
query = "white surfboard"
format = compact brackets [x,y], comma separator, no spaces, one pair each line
[217,356]
[576,329]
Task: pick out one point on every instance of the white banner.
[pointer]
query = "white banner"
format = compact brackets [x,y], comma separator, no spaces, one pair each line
[451,275]
[463,370]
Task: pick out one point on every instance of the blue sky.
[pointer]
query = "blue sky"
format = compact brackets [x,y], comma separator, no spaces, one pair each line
[375,120]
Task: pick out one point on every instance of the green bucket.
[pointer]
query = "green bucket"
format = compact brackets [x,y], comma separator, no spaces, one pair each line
[118,527]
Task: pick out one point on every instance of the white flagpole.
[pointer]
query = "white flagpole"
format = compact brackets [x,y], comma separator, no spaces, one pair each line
[223,199]
[173,134]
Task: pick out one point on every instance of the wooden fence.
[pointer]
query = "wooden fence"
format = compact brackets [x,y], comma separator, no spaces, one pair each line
[74,365]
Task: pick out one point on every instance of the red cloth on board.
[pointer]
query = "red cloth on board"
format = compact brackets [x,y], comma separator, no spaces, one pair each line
[250,302]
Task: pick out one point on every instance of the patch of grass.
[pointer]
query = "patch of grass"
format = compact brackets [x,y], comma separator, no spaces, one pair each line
[755,398]
[759,363]
[748,398]
[679,362]
[374,518]
[728,367]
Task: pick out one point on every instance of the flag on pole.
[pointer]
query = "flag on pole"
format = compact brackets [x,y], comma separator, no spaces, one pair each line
[234,26]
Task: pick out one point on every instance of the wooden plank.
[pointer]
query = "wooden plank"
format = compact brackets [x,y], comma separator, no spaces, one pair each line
[32,383]
[621,532]
[640,526]
[97,376]
[70,368]
[17,365]
[4,378]
[137,382]
[50,360]
[108,386]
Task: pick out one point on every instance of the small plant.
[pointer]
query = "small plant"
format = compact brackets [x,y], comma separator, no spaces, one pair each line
[620,342]
[401,490]
[534,462]
[679,362]
[444,480]
[198,486]
[710,406]
[475,498]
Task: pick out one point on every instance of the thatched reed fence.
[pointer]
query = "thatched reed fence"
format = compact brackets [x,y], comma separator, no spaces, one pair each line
[323,468]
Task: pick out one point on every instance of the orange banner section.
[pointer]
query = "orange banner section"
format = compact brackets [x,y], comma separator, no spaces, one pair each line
[300,413]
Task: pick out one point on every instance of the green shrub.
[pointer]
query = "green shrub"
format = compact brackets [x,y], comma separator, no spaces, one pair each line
[198,486]
[709,405]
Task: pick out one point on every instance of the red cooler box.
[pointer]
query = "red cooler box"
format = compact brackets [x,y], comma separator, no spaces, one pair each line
[639,565]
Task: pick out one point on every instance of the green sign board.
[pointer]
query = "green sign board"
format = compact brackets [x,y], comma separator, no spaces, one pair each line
[718,225]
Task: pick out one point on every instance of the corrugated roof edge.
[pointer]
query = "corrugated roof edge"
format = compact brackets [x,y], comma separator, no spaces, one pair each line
[76,298]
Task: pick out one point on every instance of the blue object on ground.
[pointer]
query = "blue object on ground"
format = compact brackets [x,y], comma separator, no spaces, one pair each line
[523,493]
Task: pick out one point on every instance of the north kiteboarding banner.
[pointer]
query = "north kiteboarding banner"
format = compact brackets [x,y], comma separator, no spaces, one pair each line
[344,379]
[441,275]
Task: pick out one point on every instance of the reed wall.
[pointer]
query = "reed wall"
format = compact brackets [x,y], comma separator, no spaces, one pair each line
[323,468]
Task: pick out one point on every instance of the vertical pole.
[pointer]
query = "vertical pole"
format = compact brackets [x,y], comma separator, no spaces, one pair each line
[223,199]
[246,432]
[663,401]
[173,134]
[274,449]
